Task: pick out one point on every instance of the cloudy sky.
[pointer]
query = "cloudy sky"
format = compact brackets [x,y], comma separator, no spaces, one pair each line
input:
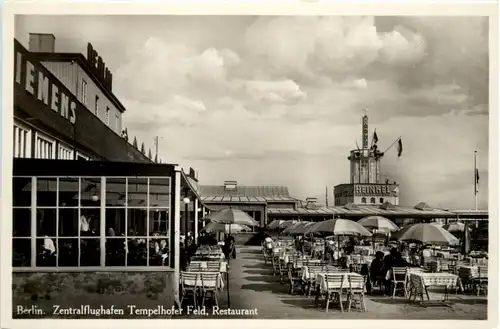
[277,100]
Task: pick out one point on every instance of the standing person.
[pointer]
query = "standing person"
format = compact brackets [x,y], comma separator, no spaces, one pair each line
[232,246]
[268,244]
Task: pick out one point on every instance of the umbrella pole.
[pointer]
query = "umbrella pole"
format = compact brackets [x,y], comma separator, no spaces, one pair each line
[227,276]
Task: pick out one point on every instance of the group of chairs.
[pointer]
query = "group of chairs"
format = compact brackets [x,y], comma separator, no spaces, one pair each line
[335,290]
[201,283]
[472,281]
[337,282]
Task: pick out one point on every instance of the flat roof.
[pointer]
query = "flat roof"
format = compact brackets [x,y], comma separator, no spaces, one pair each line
[246,199]
[396,211]
[44,167]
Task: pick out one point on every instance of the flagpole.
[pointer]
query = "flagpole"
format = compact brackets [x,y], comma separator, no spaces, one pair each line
[475,180]
[393,144]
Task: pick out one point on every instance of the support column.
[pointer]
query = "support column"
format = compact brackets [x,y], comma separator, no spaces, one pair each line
[196,221]
[177,224]
[203,214]
[103,222]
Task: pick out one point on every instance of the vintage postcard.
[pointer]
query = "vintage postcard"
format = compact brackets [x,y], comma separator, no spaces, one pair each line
[210,162]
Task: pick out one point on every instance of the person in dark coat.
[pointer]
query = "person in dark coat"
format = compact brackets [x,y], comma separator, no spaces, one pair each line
[229,247]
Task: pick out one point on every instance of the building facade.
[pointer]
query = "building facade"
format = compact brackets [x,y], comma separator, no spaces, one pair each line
[80,228]
[254,200]
[51,121]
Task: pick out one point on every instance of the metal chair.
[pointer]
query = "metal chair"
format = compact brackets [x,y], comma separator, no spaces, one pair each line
[189,286]
[356,292]
[334,289]
[209,286]
[399,277]
[481,281]
[294,279]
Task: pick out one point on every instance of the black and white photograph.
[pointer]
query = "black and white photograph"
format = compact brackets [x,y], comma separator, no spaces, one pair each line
[251,166]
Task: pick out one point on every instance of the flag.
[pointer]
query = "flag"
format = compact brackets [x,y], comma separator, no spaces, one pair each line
[476,181]
[375,137]
[400,147]
[357,146]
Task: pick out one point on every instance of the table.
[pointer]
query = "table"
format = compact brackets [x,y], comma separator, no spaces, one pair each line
[420,281]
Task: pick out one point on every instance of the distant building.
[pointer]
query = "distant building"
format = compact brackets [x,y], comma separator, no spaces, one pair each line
[254,200]
[366,185]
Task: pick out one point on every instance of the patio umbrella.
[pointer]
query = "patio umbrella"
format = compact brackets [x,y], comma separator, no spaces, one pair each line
[466,240]
[338,227]
[455,227]
[280,223]
[301,229]
[428,234]
[378,223]
[232,216]
[226,228]
[295,225]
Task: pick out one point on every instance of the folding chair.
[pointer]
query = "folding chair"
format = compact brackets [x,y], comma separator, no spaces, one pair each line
[334,289]
[399,278]
[189,286]
[294,279]
[209,286]
[213,266]
[313,270]
[356,292]
[194,267]
[481,281]
[268,255]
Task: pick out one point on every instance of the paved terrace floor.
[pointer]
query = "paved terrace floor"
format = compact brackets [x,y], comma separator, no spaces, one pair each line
[254,286]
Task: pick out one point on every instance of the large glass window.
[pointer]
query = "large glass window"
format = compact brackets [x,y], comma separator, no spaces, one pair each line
[58,221]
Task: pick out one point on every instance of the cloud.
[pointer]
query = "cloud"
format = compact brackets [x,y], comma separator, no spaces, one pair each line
[259,99]
[280,91]
[402,47]
[329,44]
[158,69]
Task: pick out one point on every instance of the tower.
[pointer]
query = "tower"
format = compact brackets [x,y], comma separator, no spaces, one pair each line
[365,162]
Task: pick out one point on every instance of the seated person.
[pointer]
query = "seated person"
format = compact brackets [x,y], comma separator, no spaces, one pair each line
[388,260]
[399,261]
[377,271]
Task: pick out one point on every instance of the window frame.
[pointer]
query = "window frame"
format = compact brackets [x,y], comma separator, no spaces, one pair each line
[117,124]
[102,237]
[84,92]
[107,115]
[96,106]
[81,155]
[66,148]
[27,141]
[47,139]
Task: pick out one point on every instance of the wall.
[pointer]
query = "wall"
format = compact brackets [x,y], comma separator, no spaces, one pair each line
[392,199]
[71,76]
[143,289]
[287,205]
